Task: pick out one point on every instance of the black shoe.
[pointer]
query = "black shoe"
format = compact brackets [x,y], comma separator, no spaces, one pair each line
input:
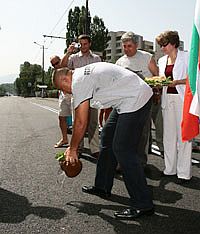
[69,130]
[165,175]
[182,181]
[132,213]
[96,191]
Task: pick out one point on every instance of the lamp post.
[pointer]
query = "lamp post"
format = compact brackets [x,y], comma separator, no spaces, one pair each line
[42,47]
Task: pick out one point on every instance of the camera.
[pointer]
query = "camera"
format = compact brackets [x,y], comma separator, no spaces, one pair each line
[77,45]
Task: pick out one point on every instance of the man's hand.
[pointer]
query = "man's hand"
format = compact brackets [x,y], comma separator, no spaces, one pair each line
[64,60]
[71,49]
[71,156]
[79,128]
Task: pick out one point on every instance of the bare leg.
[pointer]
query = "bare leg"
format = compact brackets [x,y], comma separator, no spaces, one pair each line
[63,128]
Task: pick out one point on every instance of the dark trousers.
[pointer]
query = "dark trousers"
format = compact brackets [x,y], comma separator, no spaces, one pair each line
[119,142]
[143,146]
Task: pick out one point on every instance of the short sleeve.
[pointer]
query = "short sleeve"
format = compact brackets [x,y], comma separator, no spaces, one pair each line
[82,90]
[70,62]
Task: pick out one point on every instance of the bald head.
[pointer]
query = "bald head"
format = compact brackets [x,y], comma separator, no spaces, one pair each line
[61,79]
[55,61]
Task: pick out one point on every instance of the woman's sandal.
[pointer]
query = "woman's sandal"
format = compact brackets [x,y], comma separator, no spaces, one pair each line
[61,144]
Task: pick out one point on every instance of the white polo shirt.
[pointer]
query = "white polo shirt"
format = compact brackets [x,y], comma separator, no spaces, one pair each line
[138,62]
[109,85]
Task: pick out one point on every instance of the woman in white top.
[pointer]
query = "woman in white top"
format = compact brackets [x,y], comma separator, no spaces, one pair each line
[177,154]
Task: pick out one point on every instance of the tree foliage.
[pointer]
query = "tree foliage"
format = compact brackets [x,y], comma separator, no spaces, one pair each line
[99,34]
[2,90]
[74,25]
[30,76]
[7,89]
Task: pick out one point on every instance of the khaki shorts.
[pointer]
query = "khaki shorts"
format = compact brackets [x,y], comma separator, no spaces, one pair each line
[65,106]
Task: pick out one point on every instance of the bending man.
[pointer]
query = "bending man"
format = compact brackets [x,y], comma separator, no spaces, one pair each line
[103,85]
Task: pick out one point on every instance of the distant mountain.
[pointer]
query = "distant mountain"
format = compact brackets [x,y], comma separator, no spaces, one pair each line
[8,78]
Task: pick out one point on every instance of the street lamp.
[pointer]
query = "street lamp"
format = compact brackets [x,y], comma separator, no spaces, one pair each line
[42,47]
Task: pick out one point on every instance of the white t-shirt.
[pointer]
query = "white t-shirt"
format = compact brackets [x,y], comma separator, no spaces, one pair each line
[109,85]
[138,62]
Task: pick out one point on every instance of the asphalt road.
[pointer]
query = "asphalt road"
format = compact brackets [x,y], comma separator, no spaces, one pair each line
[36,198]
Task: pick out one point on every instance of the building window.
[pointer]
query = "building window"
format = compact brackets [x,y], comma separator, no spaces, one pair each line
[118,44]
[108,58]
[118,51]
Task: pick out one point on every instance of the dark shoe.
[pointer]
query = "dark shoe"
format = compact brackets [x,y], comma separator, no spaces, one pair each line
[96,191]
[165,175]
[69,130]
[182,181]
[132,213]
[95,155]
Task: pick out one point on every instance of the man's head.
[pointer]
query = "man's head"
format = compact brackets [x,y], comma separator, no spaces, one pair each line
[61,79]
[85,42]
[129,43]
[55,61]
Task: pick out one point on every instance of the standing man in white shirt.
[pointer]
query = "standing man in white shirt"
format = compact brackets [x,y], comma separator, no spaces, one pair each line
[143,64]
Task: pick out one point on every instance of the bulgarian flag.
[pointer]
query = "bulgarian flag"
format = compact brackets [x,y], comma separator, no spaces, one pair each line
[191,108]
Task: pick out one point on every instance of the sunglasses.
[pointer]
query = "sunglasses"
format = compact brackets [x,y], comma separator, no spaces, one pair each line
[55,64]
[164,45]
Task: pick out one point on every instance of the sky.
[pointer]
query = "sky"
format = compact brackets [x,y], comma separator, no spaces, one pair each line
[23,22]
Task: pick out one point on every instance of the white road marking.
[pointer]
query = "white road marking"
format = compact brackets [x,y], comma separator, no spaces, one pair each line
[46,107]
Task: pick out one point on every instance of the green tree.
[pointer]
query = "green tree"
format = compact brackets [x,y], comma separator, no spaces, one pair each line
[7,88]
[2,91]
[48,78]
[99,34]
[30,75]
[17,85]
[73,25]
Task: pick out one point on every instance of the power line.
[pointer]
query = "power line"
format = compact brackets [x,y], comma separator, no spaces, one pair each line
[62,16]
[60,20]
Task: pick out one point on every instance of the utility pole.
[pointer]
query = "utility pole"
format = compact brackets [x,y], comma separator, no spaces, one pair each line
[42,64]
[42,47]
[87,20]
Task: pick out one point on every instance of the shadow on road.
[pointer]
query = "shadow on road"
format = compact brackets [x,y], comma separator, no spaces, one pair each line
[14,208]
[165,220]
